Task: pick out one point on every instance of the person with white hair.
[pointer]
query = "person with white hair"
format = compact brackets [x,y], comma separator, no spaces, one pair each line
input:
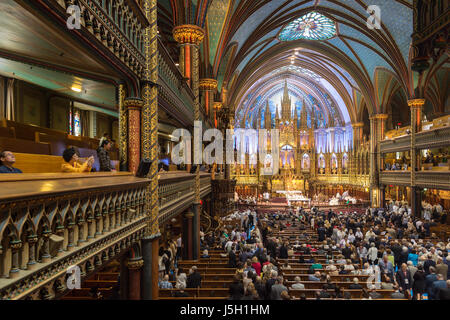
[372,254]
[297,285]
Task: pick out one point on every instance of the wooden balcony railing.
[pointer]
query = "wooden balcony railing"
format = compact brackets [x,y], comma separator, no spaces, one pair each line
[49,222]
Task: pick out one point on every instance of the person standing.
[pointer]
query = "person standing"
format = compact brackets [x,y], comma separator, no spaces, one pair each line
[404,279]
[103,156]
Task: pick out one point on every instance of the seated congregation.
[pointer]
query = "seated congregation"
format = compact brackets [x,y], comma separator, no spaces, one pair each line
[317,254]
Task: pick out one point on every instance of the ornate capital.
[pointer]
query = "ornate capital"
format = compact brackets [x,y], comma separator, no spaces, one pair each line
[133,103]
[379,116]
[189,214]
[208,84]
[135,264]
[416,103]
[358,125]
[15,244]
[188,34]
[217,105]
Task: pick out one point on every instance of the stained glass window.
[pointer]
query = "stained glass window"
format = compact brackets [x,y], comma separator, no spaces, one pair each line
[312,26]
[75,128]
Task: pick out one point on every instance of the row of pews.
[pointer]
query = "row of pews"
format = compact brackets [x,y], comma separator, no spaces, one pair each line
[105,281]
[216,278]
[301,270]
[38,149]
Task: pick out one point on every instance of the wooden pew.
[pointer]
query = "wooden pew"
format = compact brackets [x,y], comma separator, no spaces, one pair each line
[212,284]
[37,163]
[84,292]
[197,292]
[57,143]
[99,283]
[7,132]
[24,146]
[28,131]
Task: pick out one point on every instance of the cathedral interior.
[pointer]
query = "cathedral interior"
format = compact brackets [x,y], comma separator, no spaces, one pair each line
[358,92]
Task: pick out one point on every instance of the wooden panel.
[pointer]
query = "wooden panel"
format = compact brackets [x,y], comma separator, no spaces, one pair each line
[24,146]
[57,143]
[7,132]
[28,131]
[34,163]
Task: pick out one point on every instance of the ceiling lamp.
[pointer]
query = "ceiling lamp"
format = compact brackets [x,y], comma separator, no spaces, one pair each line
[311,26]
[76,88]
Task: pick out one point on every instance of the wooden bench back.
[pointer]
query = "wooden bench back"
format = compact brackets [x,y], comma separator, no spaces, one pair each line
[38,163]
[28,131]
[7,132]
[24,146]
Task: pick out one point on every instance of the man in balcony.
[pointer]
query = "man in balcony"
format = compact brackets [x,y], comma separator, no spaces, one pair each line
[103,156]
[7,159]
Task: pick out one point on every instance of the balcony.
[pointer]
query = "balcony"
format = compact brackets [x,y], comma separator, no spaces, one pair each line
[399,144]
[400,178]
[433,138]
[426,139]
[424,179]
[119,26]
[52,221]
[177,192]
[174,95]
[357,180]
[433,179]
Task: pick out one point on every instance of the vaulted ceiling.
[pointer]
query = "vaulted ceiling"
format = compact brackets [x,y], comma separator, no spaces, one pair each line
[365,66]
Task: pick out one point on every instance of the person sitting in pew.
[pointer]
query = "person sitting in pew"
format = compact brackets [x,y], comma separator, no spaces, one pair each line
[181,293]
[164,283]
[355,284]
[71,158]
[103,156]
[7,159]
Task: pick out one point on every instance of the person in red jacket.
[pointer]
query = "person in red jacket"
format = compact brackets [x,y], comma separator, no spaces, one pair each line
[256,265]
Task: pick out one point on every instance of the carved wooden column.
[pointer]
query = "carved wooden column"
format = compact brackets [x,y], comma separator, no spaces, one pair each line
[416,106]
[187,235]
[133,107]
[134,278]
[123,128]
[150,242]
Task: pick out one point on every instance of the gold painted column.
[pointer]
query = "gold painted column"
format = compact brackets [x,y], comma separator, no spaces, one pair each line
[150,242]
[208,86]
[357,134]
[133,107]
[123,128]
[190,36]
[416,106]
[377,128]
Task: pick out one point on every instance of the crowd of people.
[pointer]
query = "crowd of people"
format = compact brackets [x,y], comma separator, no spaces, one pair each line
[398,249]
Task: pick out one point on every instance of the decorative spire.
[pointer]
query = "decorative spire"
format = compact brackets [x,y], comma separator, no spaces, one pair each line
[313,118]
[286,113]
[303,116]
[267,117]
